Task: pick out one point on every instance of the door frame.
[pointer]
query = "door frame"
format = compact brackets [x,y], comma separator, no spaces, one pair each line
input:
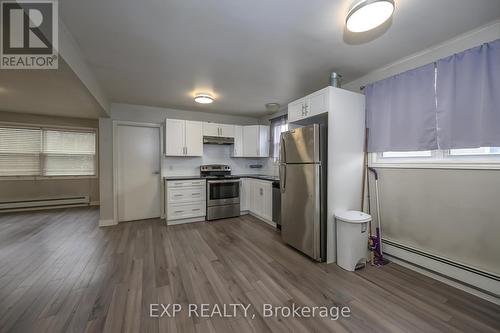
[117,123]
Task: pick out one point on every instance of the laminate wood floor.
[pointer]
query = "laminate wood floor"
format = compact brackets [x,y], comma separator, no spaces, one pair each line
[61,273]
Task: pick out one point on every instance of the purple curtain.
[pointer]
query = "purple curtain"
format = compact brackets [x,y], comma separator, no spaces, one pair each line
[468,98]
[401,112]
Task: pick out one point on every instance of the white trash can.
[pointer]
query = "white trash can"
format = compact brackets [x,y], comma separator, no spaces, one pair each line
[352,238]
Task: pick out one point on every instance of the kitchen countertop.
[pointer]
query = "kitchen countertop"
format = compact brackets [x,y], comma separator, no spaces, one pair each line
[261,177]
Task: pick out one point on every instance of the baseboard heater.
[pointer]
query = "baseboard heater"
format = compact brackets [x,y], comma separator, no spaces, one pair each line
[473,277]
[44,203]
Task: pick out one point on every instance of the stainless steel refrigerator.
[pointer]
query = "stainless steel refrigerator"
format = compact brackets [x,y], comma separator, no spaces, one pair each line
[303,182]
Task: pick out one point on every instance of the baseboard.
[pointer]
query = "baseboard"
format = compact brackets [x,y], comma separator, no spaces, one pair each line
[470,279]
[106,223]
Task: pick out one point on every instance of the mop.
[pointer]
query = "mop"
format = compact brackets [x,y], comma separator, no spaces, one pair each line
[375,241]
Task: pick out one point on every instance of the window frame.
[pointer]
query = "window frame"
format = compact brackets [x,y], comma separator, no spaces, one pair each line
[440,159]
[55,128]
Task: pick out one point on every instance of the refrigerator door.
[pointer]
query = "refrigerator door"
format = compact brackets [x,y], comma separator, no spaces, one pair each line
[300,208]
[300,145]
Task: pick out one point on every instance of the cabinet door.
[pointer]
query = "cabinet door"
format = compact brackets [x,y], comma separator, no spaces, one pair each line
[251,141]
[211,129]
[238,141]
[267,198]
[256,203]
[295,110]
[263,141]
[194,138]
[175,135]
[317,103]
[243,194]
[227,130]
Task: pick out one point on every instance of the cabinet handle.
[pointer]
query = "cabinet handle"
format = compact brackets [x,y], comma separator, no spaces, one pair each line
[195,209]
[195,194]
[179,211]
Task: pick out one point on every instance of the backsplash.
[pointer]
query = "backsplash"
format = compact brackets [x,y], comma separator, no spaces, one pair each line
[216,154]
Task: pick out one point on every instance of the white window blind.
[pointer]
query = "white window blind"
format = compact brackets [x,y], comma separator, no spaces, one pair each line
[47,152]
[68,153]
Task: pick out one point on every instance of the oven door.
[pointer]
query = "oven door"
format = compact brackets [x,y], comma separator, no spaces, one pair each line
[223,192]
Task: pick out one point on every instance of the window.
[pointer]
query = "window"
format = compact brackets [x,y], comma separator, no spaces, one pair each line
[407,154]
[485,151]
[483,158]
[278,125]
[47,152]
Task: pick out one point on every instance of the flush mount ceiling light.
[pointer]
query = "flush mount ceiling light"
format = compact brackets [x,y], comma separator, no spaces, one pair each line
[203,98]
[365,15]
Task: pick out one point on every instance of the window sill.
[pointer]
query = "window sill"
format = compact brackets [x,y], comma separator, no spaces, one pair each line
[35,178]
[434,165]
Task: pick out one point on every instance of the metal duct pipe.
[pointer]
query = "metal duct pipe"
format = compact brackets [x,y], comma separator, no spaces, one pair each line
[335,79]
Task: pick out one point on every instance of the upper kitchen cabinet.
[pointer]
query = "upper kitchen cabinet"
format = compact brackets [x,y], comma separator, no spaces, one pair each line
[311,105]
[219,130]
[256,141]
[238,141]
[183,138]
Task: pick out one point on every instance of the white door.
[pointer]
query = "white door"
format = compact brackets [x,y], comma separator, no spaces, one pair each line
[194,138]
[251,141]
[175,137]
[227,130]
[211,129]
[138,172]
[238,141]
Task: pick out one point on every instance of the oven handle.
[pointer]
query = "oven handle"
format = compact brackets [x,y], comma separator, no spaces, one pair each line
[224,181]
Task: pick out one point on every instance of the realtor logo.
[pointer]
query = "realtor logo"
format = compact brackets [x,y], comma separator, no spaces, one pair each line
[29,34]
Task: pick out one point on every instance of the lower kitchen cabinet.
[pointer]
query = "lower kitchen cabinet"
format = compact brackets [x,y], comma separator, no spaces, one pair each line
[185,201]
[256,198]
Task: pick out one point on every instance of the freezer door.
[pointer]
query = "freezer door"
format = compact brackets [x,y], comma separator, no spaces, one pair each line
[300,208]
[300,145]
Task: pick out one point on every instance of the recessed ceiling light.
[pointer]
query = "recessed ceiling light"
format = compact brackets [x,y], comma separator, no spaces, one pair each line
[203,98]
[365,15]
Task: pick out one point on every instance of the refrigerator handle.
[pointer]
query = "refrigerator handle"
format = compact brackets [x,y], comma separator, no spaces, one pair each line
[283,150]
[282,177]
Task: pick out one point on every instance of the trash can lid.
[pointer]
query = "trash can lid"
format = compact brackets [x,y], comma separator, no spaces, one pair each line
[353,216]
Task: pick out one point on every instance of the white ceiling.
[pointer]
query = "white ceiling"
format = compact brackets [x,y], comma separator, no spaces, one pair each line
[48,92]
[248,53]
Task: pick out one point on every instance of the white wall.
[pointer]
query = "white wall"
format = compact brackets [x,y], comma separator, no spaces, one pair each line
[451,213]
[171,166]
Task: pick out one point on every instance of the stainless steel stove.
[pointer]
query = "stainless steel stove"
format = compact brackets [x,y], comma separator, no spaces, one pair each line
[223,191]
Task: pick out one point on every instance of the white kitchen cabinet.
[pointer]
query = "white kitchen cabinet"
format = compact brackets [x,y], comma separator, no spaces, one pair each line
[238,141]
[185,201]
[218,130]
[227,131]
[210,129]
[183,138]
[194,138]
[311,105]
[175,137]
[245,194]
[257,198]
[256,141]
